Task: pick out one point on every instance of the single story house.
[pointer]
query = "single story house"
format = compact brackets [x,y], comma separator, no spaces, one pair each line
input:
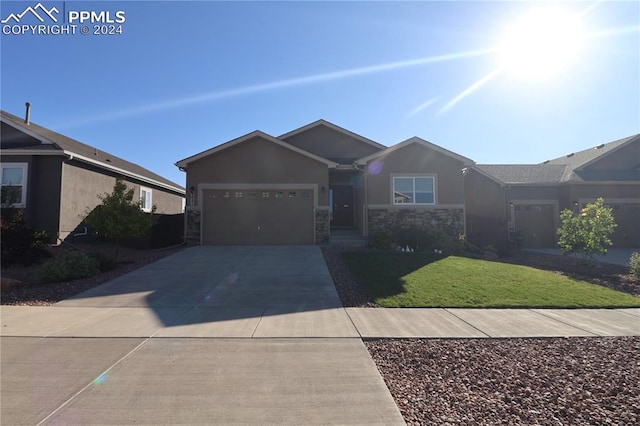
[520,205]
[56,179]
[298,187]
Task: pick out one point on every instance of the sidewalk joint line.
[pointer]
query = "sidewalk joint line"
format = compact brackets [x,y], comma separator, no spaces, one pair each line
[352,323]
[566,323]
[258,324]
[466,322]
[74,396]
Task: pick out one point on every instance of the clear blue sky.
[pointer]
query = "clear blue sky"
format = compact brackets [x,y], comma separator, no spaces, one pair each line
[186,76]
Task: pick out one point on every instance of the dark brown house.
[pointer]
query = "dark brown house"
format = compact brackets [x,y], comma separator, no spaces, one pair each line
[55,179]
[520,205]
[300,187]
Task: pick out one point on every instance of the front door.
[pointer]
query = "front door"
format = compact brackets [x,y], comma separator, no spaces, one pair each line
[342,199]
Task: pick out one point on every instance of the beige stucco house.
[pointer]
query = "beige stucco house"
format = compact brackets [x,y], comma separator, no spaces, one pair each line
[56,179]
[520,205]
[301,186]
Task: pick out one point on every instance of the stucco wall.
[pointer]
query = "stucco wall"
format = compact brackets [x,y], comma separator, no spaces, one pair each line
[329,143]
[81,185]
[485,210]
[416,159]
[259,161]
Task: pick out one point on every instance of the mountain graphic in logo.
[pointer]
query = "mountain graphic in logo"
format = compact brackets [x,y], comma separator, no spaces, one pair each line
[34,11]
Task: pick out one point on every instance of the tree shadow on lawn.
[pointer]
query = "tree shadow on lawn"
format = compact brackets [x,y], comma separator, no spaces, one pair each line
[384,272]
[616,277]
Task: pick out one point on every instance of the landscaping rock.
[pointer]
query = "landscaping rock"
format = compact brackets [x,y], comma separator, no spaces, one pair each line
[7,284]
[513,381]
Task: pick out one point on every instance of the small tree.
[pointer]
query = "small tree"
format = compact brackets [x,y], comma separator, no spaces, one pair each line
[119,217]
[587,233]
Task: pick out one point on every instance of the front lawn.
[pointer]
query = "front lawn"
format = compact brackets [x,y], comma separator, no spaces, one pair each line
[406,280]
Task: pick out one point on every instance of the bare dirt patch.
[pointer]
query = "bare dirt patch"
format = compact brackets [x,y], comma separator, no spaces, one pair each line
[33,293]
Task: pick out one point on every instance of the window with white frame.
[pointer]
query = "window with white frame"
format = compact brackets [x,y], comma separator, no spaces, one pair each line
[14,184]
[145,199]
[414,190]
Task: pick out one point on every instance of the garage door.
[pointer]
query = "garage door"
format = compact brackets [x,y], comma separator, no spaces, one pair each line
[627,217]
[258,216]
[536,224]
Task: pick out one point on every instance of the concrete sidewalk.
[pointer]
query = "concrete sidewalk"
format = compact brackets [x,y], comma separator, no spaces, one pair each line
[244,335]
[61,321]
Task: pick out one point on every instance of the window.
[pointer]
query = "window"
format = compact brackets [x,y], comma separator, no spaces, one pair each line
[14,184]
[239,194]
[413,190]
[266,194]
[145,199]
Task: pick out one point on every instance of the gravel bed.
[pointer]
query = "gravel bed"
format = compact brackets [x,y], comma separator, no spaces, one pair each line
[350,292]
[32,293]
[572,381]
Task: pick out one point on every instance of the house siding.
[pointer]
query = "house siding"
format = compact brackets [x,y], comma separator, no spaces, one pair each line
[416,159]
[258,161]
[82,184]
[486,211]
[329,143]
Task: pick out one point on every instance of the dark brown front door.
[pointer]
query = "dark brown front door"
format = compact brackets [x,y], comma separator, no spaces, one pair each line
[342,205]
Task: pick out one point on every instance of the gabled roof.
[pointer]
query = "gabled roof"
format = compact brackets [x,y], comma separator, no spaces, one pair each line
[414,140]
[257,133]
[52,143]
[579,160]
[332,126]
[562,169]
[523,173]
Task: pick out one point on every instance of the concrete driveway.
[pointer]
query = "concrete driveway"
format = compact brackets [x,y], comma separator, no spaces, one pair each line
[210,335]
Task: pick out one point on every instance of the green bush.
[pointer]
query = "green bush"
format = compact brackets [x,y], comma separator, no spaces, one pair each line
[588,232]
[634,264]
[381,240]
[20,244]
[105,263]
[428,238]
[68,265]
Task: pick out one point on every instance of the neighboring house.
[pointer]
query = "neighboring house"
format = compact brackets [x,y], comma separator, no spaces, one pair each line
[519,205]
[56,179]
[298,187]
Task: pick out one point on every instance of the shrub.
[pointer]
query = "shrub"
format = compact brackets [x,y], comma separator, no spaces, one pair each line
[20,244]
[587,233]
[381,240]
[105,263]
[69,265]
[427,238]
[634,264]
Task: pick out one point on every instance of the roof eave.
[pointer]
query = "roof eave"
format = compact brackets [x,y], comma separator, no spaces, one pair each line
[184,163]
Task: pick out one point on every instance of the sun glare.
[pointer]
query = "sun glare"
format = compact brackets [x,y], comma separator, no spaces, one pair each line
[541,43]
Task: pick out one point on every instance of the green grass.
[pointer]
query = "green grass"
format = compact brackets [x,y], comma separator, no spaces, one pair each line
[406,280]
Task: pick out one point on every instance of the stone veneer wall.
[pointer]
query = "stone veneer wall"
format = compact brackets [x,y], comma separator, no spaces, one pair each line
[323,228]
[450,220]
[192,231]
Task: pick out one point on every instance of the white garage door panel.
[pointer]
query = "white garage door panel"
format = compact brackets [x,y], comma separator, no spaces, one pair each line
[258,216]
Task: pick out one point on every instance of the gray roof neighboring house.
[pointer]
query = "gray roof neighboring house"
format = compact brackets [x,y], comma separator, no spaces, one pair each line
[524,173]
[568,168]
[48,142]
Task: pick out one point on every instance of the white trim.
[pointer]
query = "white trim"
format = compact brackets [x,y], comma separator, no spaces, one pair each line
[257,133]
[332,126]
[24,128]
[364,160]
[10,151]
[25,178]
[150,191]
[413,176]
[583,201]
